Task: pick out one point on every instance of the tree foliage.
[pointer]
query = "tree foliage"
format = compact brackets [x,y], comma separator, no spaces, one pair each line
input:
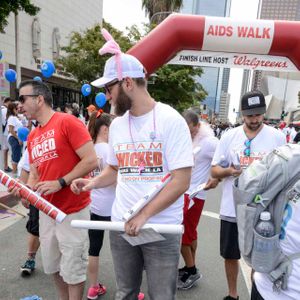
[175,85]
[83,60]
[8,6]
[157,10]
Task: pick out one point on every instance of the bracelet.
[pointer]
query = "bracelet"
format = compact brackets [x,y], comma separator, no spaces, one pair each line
[62,182]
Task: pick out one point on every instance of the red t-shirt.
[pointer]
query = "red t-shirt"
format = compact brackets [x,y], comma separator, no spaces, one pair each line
[52,151]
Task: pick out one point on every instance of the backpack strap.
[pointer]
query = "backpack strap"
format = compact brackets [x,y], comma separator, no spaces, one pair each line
[280,275]
[4,126]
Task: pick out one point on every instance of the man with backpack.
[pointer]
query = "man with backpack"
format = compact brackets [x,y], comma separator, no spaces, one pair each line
[237,149]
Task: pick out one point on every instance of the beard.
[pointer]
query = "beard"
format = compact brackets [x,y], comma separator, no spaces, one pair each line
[254,126]
[123,102]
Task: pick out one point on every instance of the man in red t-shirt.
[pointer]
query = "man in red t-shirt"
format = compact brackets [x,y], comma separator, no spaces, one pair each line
[60,150]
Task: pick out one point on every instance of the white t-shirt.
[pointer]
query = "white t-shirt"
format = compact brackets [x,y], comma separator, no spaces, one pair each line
[232,142]
[171,149]
[290,244]
[15,122]
[24,163]
[102,199]
[202,162]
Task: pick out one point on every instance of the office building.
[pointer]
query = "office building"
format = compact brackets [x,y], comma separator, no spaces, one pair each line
[214,80]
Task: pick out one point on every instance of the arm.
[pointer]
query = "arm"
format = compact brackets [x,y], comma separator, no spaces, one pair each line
[87,163]
[107,177]
[11,130]
[179,183]
[33,177]
[24,176]
[220,173]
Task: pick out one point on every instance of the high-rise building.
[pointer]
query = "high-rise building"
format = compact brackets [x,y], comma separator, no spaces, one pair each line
[275,10]
[224,107]
[214,80]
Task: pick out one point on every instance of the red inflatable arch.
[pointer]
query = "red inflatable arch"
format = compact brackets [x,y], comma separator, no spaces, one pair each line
[273,45]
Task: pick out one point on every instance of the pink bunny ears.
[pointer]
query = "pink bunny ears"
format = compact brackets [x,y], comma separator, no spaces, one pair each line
[111,46]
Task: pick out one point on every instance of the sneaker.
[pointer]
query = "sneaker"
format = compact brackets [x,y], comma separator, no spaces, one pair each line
[230,298]
[141,296]
[188,280]
[181,271]
[96,291]
[7,170]
[28,267]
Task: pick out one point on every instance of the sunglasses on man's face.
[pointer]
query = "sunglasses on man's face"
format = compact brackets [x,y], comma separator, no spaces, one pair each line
[247,150]
[107,87]
[22,98]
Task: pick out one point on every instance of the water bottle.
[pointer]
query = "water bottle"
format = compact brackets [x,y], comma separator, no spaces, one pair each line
[265,226]
[223,162]
[265,250]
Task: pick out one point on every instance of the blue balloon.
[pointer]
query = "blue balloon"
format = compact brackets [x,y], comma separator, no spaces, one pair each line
[37,78]
[100,99]
[1,54]
[86,89]
[23,133]
[10,75]
[47,68]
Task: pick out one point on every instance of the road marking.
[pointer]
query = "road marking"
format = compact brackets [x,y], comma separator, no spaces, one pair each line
[13,218]
[246,270]
[211,214]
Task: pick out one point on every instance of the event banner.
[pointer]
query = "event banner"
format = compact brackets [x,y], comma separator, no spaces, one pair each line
[33,198]
[233,60]
[241,36]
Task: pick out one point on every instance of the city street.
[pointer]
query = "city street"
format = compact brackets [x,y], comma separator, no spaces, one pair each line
[211,286]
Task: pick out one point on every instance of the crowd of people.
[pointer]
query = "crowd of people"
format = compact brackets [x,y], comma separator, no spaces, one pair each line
[291,130]
[100,171]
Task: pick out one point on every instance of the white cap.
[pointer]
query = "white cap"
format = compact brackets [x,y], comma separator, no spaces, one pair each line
[265,216]
[130,65]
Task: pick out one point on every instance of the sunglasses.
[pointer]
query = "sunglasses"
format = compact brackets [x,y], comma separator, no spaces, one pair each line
[247,150]
[107,87]
[22,98]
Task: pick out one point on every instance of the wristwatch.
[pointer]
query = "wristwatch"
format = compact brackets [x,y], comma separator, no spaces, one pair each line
[62,182]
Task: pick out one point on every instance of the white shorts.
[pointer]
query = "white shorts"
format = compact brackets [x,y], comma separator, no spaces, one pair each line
[64,249]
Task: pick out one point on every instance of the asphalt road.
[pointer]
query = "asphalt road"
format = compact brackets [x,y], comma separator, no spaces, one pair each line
[212,285]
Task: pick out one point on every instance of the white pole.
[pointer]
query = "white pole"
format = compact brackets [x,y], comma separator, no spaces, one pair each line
[119,226]
[17,45]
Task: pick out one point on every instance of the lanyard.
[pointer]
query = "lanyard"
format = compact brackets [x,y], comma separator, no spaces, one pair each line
[152,135]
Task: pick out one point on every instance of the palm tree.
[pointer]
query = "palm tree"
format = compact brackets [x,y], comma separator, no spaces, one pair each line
[158,10]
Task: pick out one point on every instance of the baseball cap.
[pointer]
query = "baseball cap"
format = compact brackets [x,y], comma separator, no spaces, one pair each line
[131,67]
[253,103]
[91,108]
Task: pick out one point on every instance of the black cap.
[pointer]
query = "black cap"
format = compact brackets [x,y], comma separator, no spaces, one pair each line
[253,103]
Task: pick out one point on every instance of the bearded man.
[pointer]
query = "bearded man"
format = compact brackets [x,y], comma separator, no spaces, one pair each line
[148,140]
[240,147]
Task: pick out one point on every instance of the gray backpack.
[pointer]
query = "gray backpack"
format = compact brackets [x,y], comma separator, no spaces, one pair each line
[267,185]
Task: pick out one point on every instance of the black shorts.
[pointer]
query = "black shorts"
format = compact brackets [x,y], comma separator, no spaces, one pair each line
[229,245]
[96,236]
[255,295]
[32,225]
